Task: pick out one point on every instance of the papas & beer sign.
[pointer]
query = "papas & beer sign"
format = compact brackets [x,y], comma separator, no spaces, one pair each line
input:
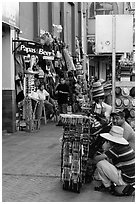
[24,50]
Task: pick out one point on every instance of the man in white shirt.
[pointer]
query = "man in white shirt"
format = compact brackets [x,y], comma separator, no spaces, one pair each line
[118,118]
[44,96]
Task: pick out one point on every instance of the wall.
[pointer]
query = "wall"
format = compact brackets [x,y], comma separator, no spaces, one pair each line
[102,73]
[56,17]
[91,26]
[43,12]
[6,78]
[68,26]
[8,84]
[26,19]
[76,19]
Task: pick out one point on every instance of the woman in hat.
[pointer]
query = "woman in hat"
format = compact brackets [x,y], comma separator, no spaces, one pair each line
[117,164]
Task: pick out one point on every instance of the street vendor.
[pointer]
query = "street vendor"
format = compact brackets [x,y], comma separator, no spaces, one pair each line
[116,165]
[100,107]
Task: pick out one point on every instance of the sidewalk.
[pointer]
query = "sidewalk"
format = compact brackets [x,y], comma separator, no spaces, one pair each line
[31,170]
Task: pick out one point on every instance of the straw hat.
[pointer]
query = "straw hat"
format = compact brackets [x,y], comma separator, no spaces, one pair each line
[125,91]
[107,86]
[115,135]
[118,90]
[97,89]
[102,81]
[118,112]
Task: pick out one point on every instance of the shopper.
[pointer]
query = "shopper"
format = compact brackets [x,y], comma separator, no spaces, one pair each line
[62,92]
[116,165]
[118,118]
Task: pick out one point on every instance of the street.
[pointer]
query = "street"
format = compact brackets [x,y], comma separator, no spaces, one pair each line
[31,170]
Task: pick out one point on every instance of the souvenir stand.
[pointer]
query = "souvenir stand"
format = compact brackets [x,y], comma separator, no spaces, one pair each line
[30,105]
[125,89]
[31,53]
[75,150]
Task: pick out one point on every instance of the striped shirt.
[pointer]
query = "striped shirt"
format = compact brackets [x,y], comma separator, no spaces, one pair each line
[123,158]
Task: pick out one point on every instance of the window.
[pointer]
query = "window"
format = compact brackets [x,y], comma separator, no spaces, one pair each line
[91,11]
[101,8]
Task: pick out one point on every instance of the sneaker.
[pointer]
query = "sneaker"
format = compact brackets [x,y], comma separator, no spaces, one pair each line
[102,188]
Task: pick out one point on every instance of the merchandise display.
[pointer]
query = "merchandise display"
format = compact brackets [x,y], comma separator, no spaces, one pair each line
[75,151]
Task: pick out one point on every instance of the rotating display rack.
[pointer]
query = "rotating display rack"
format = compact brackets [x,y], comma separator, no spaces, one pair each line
[75,150]
[30,105]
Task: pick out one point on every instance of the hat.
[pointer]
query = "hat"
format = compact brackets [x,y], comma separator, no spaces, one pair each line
[118,102]
[132,92]
[126,102]
[107,86]
[115,135]
[102,81]
[97,89]
[132,113]
[118,112]
[125,91]
[118,90]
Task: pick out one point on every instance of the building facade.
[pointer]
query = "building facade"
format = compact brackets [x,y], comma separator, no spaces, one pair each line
[101,64]
[27,21]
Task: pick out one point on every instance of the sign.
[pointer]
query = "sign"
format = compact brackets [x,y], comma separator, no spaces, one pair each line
[124,33]
[10,13]
[39,51]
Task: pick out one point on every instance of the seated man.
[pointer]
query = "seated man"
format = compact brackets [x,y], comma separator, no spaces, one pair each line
[117,164]
[118,118]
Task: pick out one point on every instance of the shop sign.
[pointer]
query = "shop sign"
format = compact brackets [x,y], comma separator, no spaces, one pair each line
[25,50]
[10,13]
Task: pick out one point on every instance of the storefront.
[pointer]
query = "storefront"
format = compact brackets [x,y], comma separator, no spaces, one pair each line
[30,66]
[35,63]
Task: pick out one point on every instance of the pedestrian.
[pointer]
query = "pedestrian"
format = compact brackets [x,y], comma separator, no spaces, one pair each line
[118,118]
[116,166]
[62,92]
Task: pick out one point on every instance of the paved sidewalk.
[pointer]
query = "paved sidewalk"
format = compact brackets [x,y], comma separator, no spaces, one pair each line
[31,170]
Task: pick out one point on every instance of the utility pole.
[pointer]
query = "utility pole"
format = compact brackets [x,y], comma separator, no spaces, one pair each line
[113,60]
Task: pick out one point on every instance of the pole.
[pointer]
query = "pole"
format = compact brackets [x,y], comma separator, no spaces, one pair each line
[113,60]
